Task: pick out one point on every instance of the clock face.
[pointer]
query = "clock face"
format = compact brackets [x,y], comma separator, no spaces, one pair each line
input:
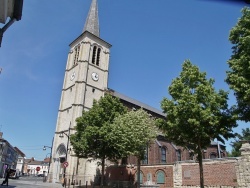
[95,76]
[73,75]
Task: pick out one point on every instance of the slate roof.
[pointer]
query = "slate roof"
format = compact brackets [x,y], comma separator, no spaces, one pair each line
[92,21]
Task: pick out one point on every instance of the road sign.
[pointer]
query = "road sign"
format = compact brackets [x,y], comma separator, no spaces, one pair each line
[65,164]
[38,168]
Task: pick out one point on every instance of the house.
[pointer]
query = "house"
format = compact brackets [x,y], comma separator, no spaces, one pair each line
[20,161]
[35,167]
[8,156]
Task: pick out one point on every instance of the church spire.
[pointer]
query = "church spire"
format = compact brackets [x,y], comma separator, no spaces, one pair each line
[92,21]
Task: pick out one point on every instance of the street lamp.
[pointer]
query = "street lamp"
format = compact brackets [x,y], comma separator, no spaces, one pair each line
[44,148]
[12,9]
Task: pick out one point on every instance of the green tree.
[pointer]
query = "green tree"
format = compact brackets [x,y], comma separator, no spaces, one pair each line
[196,114]
[237,144]
[132,133]
[238,77]
[92,127]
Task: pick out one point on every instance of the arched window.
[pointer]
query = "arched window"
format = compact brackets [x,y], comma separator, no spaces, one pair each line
[141,177]
[160,177]
[163,155]
[77,50]
[61,150]
[96,56]
[145,160]
[212,155]
[178,153]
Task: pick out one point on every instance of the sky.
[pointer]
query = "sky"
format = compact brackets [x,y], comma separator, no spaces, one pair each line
[150,41]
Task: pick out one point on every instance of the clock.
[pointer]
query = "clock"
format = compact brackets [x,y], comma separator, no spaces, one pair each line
[73,75]
[95,76]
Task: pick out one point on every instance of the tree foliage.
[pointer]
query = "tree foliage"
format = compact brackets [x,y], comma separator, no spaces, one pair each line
[196,113]
[237,144]
[238,77]
[132,133]
[92,127]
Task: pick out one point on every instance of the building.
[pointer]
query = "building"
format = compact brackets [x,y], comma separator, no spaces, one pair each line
[33,167]
[8,156]
[86,79]
[9,9]
[20,161]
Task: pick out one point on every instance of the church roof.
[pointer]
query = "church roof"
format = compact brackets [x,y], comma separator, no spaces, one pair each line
[92,21]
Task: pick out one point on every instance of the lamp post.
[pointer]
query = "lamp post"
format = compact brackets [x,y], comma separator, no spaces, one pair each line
[44,148]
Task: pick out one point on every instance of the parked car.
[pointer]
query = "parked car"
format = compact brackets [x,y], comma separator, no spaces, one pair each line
[14,174]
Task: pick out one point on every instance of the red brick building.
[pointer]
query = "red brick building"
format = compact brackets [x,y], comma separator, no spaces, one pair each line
[161,157]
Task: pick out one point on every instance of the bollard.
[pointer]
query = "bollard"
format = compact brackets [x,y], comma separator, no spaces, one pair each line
[69,183]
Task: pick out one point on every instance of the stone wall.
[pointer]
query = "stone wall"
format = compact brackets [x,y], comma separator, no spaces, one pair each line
[243,166]
[217,173]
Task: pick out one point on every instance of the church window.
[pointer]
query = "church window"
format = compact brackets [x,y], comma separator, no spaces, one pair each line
[212,155]
[178,153]
[96,56]
[163,155]
[77,50]
[141,177]
[145,160]
[93,55]
[160,177]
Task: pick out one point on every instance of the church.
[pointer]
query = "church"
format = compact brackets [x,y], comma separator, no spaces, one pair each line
[86,80]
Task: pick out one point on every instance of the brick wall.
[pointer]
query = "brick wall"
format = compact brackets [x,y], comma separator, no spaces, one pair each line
[216,173]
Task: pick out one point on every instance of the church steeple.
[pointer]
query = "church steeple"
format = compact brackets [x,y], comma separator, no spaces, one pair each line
[92,21]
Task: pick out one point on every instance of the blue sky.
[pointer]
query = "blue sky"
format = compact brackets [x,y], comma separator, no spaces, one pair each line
[150,38]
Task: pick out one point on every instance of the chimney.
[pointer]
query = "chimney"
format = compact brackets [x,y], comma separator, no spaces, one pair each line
[1,135]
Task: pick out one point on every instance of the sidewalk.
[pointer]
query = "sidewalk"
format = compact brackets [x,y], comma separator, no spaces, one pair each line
[22,183]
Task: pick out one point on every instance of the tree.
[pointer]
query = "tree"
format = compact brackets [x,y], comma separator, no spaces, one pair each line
[196,114]
[238,77]
[92,127]
[237,144]
[132,133]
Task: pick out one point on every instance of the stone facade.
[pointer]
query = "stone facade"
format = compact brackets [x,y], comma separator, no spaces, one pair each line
[243,166]
[85,80]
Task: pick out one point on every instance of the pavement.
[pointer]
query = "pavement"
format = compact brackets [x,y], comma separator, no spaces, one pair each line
[19,183]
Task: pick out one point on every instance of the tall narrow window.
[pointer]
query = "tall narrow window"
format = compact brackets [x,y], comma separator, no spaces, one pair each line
[98,56]
[160,177]
[93,55]
[163,155]
[178,153]
[77,50]
[145,161]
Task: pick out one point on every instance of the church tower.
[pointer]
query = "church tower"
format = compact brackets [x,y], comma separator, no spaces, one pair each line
[85,79]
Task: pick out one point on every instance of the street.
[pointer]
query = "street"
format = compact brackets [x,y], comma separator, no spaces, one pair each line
[30,182]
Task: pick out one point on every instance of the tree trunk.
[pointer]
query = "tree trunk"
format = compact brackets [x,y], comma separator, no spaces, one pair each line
[103,166]
[201,167]
[138,172]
